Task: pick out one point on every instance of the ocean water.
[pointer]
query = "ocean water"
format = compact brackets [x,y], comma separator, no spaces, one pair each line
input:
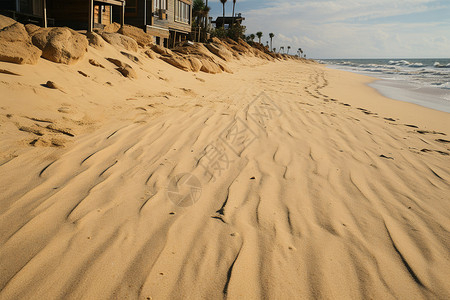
[424,82]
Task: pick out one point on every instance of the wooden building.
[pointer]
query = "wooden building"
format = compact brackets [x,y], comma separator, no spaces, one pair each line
[76,14]
[25,11]
[86,14]
[228,21]
[169,21]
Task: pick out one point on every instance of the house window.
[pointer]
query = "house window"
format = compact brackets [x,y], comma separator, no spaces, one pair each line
[159,4]
[182,12]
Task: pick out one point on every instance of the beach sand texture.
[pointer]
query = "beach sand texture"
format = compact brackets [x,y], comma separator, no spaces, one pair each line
[310,185]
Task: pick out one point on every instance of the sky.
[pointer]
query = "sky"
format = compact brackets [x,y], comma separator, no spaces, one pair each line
[350,28]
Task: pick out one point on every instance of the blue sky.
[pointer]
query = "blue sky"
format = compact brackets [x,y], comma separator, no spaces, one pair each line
[350,28]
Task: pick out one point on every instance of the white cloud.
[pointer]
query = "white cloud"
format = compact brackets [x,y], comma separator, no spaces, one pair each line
[351,28]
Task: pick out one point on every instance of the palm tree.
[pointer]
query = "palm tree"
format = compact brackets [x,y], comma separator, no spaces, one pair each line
[259,34]
[197,11]
[271,35]
[300,51]
[207,14]
[281,48]
[232,17]
[223,3]
[200,13]
[206,10]
[274,49]
[206,17]
[289,48]
[252,37]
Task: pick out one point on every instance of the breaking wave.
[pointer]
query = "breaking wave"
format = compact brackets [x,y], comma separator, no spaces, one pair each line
[428,72]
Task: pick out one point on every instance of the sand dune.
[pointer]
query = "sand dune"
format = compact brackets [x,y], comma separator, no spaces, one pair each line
[309,185]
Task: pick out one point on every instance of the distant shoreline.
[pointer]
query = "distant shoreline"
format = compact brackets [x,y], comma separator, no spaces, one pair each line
[403,83]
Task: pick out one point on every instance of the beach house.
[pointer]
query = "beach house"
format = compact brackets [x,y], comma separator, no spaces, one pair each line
[25,11]
[168,21]
[86,14]
[228,21]
[76,14]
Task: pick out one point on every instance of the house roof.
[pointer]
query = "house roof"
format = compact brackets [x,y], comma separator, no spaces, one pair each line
[111,2]
[228,19]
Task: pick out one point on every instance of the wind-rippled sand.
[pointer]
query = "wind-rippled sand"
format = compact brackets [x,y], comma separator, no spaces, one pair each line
[317,188]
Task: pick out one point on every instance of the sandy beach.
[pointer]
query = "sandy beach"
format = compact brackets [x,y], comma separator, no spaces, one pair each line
[283,180]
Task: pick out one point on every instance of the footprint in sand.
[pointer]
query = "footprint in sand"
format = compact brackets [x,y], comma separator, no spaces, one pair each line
[55,129]
[430,132]
[65,110]
[40,120]
[54,86]
[33,130]
[367,112]
[54,142]
[82,73]
[437,151]
[3,71]
[442,141]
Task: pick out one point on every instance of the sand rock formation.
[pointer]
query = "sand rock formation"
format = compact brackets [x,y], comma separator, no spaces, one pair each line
[31,28]
[178,62]
[15,43]
[5,21]
[14,32]
[125,69]
[60,44]
[227,46]
[225,68]
[261,51]
[150,53]
[117,62]
[204,57]
[95,63]
[230,41]
[120,41]
[196,49]
[196,57]
[216,40]
[112,28]
[196,64]
[131,57]
[67,46]
[161,50]
[95,40]
[241,50]
[220,50]
[143,39]
[209,66]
